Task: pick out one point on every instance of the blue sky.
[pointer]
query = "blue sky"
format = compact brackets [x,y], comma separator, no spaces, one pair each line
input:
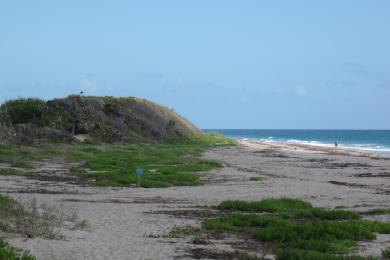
[222,64]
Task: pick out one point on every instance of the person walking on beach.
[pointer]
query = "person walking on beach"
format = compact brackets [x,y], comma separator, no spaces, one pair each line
[336,144]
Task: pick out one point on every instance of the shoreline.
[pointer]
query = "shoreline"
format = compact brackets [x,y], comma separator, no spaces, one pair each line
[365,141]
[309,148]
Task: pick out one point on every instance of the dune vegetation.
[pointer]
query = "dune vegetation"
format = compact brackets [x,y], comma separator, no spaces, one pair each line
[118,136]
[31,220]
[9,209]
[294,229]
[107,119]
[166,163]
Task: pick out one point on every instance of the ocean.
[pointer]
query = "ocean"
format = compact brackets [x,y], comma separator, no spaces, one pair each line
[377,141]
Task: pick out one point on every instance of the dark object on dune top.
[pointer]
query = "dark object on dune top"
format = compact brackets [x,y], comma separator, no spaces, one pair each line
[100,118]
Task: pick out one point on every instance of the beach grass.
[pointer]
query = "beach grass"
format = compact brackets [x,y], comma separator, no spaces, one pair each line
[8,209]
[296,228]
[165,164]
[8,206]
[31,219]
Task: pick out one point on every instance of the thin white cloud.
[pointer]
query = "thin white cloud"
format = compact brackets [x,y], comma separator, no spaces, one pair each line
[281,91]
[149,75]
[298,91]
[88,85]
[187,84]
[301,91]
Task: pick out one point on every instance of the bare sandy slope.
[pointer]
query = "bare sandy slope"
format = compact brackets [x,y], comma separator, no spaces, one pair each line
[121,221]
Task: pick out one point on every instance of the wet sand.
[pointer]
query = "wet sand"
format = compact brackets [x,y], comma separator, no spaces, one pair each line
[122,220]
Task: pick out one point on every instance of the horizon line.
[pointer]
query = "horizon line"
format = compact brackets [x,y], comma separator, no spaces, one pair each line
[316,129]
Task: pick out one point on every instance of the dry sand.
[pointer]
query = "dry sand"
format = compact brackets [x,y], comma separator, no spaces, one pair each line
[123,219]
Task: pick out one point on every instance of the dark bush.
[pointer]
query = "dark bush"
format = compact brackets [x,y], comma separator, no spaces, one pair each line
[23,111]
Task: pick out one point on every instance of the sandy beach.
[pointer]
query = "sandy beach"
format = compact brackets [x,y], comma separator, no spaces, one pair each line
[124,222]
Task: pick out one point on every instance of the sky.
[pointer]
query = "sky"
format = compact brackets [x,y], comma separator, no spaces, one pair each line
[289,64]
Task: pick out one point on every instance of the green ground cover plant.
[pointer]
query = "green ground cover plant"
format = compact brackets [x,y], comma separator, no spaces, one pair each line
[175,233]
[379,211]
[23,153]
[294,254]
[340,207]
[287,207]
[21,164]
[11,172]
[296,228]
[256,178]
[386,253]
[8,252]
[173,163]
[166,164]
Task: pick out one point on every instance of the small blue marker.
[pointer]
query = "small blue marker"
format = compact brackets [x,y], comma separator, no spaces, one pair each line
[139,171]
